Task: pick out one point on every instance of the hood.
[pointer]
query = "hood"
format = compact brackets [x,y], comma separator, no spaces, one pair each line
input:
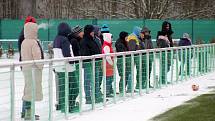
[30,30]
[96,30]
[145,29]
[136,31]
[123,35]
[107,37]
[88,29]
[64,29]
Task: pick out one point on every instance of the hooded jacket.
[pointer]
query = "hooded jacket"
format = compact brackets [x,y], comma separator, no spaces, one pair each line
[121,43]
[167,33]
[133,40]
[89,45]
[30,50]
[75,42]
[147,39]
[63,48]
[21,36]
[107,48]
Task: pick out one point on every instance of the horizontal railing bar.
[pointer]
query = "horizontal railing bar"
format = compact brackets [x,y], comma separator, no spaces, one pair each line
[98,56]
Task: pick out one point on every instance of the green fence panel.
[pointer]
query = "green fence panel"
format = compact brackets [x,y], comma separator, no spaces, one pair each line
[204,30]
[116,25]
[53,23]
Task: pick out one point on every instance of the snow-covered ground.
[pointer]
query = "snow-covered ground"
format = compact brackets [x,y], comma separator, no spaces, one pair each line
[149,105]
[132,109]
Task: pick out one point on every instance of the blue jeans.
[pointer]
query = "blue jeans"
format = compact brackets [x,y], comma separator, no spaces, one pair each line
[25,105]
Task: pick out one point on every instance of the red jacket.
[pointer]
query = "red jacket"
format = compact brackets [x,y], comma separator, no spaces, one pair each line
[109,68]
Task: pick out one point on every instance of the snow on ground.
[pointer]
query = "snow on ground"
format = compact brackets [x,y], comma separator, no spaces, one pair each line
[149,105]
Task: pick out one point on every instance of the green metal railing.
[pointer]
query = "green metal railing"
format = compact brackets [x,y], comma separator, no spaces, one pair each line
[140,72]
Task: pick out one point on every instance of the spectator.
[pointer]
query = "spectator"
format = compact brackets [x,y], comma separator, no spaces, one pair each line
[122,46]
[20,40]
[104,29]
[146,39]
[90,47]
[75,38]
[164,40]
[107,48]
[134,43]
[62,48]
[30,50]
[98,39]
[185,41]
[21,36]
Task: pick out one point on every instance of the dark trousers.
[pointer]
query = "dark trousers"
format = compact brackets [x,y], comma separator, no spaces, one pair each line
[127,72]
[73,89]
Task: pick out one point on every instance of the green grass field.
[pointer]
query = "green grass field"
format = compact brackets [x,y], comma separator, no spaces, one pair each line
[201,108]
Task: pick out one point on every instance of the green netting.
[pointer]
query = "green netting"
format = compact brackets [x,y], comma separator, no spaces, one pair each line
[204,30]
[198,29]
[116,26]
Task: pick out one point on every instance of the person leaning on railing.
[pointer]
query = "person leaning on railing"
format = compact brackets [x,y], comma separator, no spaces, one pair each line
[164,40]
[90,47]
[62,48]
[185,41]
[146,39]
[122,46]
[134,43]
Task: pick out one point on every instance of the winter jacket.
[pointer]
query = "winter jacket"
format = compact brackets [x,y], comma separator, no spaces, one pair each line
[62,48]
[75,42]
[184,42]
[30,50]
[121,43]
[162,40]
[20,40]
[88,45]
[107,48]
[167,32]
[133,40]
[147,39]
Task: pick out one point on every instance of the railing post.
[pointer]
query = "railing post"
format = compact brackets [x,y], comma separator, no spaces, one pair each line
[190,60]
[198,60]
[104,81]
[147,72]
[93,83]
[185,63]
[205,66]
[50,82]
[160,70]
[194,61]
[114,78]
[33,93]
[124,65]
[166,67]
[12,93]
[66,89]
[80,84]
[177,77]
[182,65]
[154,71]
[140,74]
[132,75]
[172,65]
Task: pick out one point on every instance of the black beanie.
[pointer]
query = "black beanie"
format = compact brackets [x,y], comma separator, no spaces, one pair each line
[123,34]
[88,29]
